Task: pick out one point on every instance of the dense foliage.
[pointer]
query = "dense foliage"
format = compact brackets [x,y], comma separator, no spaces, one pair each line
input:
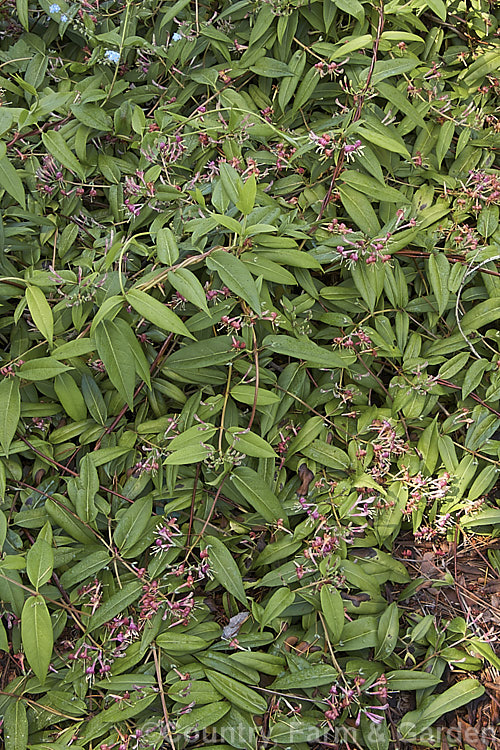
[249,302]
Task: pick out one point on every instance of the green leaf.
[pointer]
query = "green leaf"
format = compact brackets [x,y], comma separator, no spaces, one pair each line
[353,7]
[70,396]
[39,562]
[327,455]
[482,314]
[3,527]
[249,443]
[36,634]
[458,695]
[371,186]
[224,568]
[129,339]
[268,67]
[308,677]
[199,691]
[255,490]
[279,601]
[176,642]
[4,642]
[42,368]
[406,679]
[166,246]
[289,85]
[41,312]
[358,42]
[247,193]
[308,351]
[88,486]
[332,605]
[246,394]
[193,436]
[306,89]
[185,282]
[395,67]
[133,522]
[93,116]
[199,719]
[439,273]
[11,182]
[259,265]
[395,97]
[56,145]
[487,221]
[238,694]
[214,351]
[474,375]
[15,727]
[68,521]
[156,312]
[384,140]
[439,8]
[376,736]
[235,275]
[359,634]
[88,567]
[22,13]
[114,352]
[10,411]
[117,603]
[388,631]
[359,209]
[94,400]
[188,455]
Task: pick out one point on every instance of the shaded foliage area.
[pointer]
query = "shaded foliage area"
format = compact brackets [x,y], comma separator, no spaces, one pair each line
[249,336]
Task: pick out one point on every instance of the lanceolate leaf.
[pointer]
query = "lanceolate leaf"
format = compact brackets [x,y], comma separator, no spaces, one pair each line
[225,569]
[235,275]
[15,726]
[114,351]
[39,563]
[307,350]
[88,486]
[57,146]
[37,637]
[237,693]
[40,311]
[115,604]
[157,313]
[256,492]
[10,409]
[11,182]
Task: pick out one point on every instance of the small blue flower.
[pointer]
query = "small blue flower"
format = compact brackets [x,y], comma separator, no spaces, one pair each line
[112,56]
[64,17]
[176,37]
[54,8]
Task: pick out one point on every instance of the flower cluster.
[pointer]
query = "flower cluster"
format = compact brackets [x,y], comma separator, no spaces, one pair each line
[369,251]
[357,341]
[54,9]
[483,188]
[165,533]
[424,489]
[112,56]
[150,464]
[8,371]
[350,697]
[387,447]
[330,69]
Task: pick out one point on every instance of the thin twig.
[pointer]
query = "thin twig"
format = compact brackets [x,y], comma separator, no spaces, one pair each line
[162,697]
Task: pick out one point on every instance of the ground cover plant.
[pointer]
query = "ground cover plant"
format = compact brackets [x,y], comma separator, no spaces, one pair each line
[250,392]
